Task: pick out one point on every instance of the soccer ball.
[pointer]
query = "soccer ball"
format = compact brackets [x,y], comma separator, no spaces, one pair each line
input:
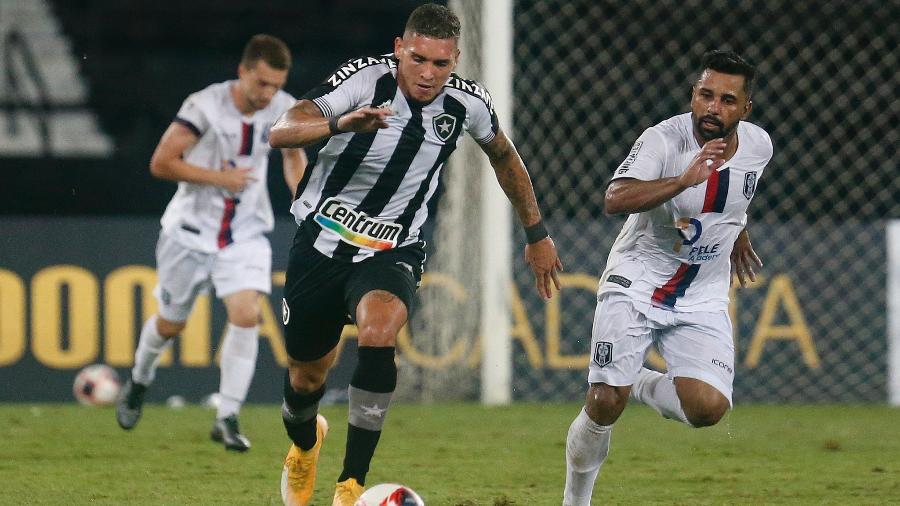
[97,385]
[389,494]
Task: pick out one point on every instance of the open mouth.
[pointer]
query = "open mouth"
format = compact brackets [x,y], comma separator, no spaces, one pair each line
[708,123]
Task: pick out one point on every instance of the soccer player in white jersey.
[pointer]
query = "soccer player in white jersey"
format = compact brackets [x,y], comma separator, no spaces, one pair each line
[686,184]
[212,230]
[391,121]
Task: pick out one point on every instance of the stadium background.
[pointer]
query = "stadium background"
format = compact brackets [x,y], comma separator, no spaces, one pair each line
[79,219]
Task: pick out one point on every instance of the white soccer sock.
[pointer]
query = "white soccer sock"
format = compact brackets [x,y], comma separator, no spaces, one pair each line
[146,357]
[658,391]
[237,364]
[587,446]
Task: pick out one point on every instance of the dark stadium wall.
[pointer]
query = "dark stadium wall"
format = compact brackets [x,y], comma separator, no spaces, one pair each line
[137,62]
[75,291]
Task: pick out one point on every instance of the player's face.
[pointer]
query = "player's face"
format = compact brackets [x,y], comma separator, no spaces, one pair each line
[424,65]
[259,83]
[718,103]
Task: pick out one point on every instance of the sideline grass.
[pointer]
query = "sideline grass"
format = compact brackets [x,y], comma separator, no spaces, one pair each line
[457,455]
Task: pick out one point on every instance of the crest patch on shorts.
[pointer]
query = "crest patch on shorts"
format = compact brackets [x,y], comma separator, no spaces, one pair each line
[602,353]
[285,312]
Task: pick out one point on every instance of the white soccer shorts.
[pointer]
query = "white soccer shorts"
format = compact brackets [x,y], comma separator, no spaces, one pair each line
[184,273]
[695,345]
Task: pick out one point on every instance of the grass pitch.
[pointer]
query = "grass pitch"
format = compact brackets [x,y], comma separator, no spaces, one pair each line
[458,455]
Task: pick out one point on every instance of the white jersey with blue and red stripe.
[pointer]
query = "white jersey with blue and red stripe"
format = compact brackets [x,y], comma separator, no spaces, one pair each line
[677,255]
[208,218]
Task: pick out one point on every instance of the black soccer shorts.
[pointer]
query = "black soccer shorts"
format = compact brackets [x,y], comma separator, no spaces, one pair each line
[321,293]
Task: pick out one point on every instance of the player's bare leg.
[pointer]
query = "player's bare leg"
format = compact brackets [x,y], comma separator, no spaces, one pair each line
[703,404]
[687,400]
[156,336]
[379,316]
[587,443]
[239,348]
[304,386]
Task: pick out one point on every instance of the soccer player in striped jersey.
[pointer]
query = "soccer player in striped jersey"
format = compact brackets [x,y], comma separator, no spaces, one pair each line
[686,185]
[390,122]
[217,150]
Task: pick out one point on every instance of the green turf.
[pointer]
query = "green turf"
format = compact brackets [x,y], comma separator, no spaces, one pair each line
[461,454]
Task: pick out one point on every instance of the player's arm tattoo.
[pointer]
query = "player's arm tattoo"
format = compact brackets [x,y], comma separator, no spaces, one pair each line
[513,177]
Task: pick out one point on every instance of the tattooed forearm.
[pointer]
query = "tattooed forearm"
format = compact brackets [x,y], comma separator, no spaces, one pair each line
[513,178]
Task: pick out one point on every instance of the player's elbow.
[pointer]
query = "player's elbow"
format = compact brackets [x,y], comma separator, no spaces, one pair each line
[612,204]
[278,138]
[157,167]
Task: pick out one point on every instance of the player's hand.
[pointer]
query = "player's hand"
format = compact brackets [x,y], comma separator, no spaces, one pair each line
[546,265]
[365,119]
[710,158]
[744,260]
[235,179]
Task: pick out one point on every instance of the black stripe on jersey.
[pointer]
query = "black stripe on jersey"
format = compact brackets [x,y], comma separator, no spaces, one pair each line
[722,191]
[473,88]
[190,126]
[246,139]
[458,110]
[349,159]
[346,70]
[393,173]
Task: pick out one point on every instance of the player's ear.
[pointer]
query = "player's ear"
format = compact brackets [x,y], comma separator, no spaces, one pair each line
[747,109]
[398,47]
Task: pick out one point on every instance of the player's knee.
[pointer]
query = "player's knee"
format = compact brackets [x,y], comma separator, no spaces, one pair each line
[604,403]
[377,334]
[244,316]
[706,412]
[307,380]
[167,328]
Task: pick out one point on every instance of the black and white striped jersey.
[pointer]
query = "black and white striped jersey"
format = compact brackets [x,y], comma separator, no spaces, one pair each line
[369,192]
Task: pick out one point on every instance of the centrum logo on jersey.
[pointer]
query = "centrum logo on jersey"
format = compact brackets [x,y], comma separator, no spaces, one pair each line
[357,228]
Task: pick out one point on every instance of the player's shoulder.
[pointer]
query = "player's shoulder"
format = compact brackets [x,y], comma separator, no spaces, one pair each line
[757,139]
[363,66]
[674,132]
[465,88]
[212,94]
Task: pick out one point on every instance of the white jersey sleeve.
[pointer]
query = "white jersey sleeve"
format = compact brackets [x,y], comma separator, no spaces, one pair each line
[482,123]
[193,114]
[646,159]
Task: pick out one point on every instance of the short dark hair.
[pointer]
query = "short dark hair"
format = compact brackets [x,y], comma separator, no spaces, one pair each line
[435,21]
[729,62]
[269,49]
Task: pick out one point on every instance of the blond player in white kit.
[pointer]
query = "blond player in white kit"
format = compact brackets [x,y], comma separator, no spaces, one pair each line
[686,185]
[212,231]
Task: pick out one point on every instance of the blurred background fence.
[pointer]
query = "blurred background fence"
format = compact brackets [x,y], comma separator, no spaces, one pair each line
[88,86]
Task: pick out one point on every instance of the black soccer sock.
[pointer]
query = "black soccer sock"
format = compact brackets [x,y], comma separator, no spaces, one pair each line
[371,388]
[299,414]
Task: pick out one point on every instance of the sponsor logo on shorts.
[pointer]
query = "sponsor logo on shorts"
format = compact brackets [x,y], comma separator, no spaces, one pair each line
[602,353]
[619,280]
[166,296]
[285,312]
[723,365]
[357,228]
